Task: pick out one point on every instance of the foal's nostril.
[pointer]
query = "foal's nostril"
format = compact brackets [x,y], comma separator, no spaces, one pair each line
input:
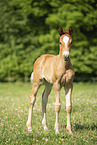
[66,57]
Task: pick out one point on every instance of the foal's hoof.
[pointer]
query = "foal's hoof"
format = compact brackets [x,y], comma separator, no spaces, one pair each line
[56,131]
[29,128]
[69,129]
[70,132]
[45,128]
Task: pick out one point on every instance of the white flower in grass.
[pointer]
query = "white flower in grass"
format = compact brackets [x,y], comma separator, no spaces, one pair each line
[16,125]
[62,139]
[46,139]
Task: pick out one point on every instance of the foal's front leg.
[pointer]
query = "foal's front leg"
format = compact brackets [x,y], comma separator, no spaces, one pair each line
[57,106]
[68,91]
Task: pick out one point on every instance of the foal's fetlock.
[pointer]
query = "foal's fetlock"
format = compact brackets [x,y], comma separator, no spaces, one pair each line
[57,107]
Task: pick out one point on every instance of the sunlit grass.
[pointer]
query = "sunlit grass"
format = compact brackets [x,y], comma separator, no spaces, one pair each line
[14,112]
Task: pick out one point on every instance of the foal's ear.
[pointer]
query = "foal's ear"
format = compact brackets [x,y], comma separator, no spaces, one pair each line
[60,30]
[70,30]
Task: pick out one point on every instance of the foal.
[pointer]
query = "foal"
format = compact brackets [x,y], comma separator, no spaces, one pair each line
[56,71]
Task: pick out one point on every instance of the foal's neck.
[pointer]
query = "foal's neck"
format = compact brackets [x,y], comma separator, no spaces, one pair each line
[61,63]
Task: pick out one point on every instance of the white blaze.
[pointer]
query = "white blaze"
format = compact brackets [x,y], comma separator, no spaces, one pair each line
[65,40]
[66,53]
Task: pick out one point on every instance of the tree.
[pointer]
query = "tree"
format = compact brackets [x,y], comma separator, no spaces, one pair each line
[29,29]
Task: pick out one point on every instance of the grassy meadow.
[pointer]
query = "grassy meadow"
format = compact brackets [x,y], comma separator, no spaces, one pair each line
[14,99]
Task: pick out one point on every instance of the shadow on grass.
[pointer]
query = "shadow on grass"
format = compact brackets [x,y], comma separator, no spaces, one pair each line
[77,126]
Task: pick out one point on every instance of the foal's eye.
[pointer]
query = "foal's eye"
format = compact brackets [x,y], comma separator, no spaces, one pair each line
[60,43]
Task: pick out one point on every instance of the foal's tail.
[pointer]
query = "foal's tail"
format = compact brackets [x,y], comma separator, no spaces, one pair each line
[31,77]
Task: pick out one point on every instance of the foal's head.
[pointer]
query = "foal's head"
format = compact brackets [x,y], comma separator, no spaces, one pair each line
[65,42]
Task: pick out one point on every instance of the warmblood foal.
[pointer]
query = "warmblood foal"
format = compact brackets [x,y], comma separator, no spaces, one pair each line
[56,71]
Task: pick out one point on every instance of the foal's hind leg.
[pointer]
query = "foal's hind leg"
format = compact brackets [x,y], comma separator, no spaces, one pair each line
[32,99]
[45,94]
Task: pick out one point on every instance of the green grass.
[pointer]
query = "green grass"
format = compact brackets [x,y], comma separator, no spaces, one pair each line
[14,112]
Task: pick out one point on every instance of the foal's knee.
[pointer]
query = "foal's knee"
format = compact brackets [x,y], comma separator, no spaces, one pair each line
[32,99]
[69,75]
[68,109]
[57,107]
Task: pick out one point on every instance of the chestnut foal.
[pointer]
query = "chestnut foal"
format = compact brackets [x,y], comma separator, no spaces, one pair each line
[56,71]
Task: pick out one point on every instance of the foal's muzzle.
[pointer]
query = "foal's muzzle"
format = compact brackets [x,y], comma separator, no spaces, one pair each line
[66,55]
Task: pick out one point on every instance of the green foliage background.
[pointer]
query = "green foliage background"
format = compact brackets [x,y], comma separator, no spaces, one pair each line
[29,28]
